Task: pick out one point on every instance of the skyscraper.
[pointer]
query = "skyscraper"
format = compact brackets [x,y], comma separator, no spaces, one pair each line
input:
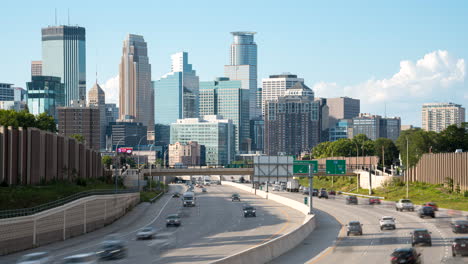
[97,98]
[136,95]
[438,116]
[64,56]
[342,108]
[45,94]
[276,86]
[36,68]
[243,66]
[176,93]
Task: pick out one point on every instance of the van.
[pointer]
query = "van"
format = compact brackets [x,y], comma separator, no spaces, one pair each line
[188,199]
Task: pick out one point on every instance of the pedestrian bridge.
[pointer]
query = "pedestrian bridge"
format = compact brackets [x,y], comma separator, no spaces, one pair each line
[199,171]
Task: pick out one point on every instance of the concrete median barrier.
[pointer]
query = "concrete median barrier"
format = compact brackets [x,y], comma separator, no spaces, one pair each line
[276,247]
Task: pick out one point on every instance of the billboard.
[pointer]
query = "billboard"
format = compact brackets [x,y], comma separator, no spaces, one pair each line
[273,166]
[125,150]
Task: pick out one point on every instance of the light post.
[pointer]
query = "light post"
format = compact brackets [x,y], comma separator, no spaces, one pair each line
[151,165]
[310,188]
[116,156]
[407,167]
[138,162]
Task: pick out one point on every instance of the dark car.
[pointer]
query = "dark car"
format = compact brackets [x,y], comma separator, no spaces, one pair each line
[235,197]
[112,249]
[374,200]
[305,191]
[460,226]
[426,211]
[351,200]
[421,236]
[460,246]
[175,195]
[405,255]
[249,211]
[173,220]
[323,194]
[332,192]
[354,227]
[433,205]
[315,192]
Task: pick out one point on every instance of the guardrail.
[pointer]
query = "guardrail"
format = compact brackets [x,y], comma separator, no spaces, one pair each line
[363,195]
[152,200]
[33,210]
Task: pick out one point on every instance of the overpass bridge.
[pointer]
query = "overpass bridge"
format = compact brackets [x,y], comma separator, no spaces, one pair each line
[200,172]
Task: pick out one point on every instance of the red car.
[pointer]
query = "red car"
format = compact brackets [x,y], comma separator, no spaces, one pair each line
[433,205]
[374,201]
[332,192]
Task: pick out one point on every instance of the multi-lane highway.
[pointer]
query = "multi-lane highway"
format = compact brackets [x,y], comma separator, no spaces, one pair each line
[329,243]
[213,229]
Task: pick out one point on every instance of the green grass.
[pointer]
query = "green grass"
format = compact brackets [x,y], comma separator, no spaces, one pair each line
[17,197]
[419,192]
[146,196]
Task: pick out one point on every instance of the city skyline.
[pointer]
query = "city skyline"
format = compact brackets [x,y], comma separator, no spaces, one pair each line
[332,61]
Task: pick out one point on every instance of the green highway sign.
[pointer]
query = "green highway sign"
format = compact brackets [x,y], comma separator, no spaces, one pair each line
[302,166]
[336,167]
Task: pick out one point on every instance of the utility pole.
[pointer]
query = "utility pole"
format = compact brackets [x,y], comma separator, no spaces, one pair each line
[310,188]
[370,179]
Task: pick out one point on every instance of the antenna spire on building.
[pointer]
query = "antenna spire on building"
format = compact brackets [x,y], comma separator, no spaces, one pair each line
[68,15]
[56,16]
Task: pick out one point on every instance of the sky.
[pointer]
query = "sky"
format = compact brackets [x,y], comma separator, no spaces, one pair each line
[392,55]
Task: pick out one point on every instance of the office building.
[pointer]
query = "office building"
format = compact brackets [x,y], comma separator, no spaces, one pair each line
[342,129]
[243,66]
[162,134]
[374,126]
[176,93]
[136,95]
[45,94]
[64,56]
[78,119]
[438,116]
[97,98]
[7,93]
[19,94]
[276,86]
[390,128]
[407,127]
[13,105]
[36,68]
[126,134]
[324,119]
[187,154]
[342,108]
[215,133]
[292,122]
[227,98]
[112,113]
[257,128]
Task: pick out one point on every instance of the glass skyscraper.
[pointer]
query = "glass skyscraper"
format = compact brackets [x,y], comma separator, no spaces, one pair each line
[227,99]
[64,56]
[243,66]
[45,94]
[176,94]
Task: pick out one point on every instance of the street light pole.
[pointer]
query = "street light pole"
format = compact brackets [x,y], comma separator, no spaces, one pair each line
[310,188]
[151,166]
[407,167]
[138,162]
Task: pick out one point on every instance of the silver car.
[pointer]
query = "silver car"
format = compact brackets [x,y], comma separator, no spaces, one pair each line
[87,258]
[146,233]
[35,258]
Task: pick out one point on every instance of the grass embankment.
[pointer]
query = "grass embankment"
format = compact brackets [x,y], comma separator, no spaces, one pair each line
[419,192]
[18,197]
[156,188]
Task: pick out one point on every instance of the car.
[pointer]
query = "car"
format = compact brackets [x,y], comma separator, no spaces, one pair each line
[460,246]
[218,182]
[173,220]
[405,255]
[306,190]
[351,199]
[315,192]
[235,197]
[323,189]
[332,192]
[86,258]
[374,200]
[175,195]
[426,211]
[433,205]
[35,258]
[112,248]
[146,232]
[249,211]
[203,189]
[421,236]
[276,188]
[354,227]
[404,204]
[387,222]
[323,194]
[460,226]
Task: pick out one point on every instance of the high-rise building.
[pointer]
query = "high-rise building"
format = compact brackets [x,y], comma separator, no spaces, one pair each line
[438,116]
[45,94]
[374,126]
[257,128]
[292,122]
[97,98]
[36,68]
[227,99]
[64,56]
[77,119]
[243,66]
[19,94]
[276,86]
[342,108]
[162,134]
[7,93]
[112,113]
[188,154]
[126,134]
[136,95]
[216,134]
[176,93]
[342,129]
[390,128]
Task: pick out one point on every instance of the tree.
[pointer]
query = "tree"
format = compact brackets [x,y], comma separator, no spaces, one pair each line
[389,148]
[321,150]
[80,138]
[107,161]
[419,142]
[452,138]
[25,119]
[46,122]
[342,148]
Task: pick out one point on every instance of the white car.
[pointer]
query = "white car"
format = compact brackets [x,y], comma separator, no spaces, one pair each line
[147,232]
[404,204]
[35,258]
[387,222]
[86,258]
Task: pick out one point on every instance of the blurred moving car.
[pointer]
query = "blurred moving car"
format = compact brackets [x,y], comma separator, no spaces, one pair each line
[374,200]
[405,255]
[421,236]
[332,192]
[323,194]
[460,246]
[460,226]
[351,199]
[173,220]
[147,232]
[249,211]
[404,204]
[433,205]
[175,195]
[203,189]
[86,258]
[235,197]
[387,222]
[35,258]
[354,227]
[426,211]
[112,248]
[315,192]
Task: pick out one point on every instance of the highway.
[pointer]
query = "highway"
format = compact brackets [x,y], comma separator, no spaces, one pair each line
[329,243]
[213,229]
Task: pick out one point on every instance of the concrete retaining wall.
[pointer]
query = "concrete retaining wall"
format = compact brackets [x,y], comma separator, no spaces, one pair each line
[377,180]
[278,246]
[60,223]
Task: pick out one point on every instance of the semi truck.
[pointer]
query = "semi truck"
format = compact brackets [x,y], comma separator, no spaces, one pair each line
[188,199]
[292,186]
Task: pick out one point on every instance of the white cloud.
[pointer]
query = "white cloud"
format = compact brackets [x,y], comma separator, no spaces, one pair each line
[435,77]
[111,88]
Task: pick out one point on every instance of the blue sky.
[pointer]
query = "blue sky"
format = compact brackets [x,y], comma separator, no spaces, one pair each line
[365,49]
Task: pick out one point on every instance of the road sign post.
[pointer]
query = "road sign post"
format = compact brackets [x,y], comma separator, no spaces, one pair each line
[311,168]
[302,166]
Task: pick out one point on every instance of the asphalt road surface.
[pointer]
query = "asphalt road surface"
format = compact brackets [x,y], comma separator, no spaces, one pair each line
[213,229]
